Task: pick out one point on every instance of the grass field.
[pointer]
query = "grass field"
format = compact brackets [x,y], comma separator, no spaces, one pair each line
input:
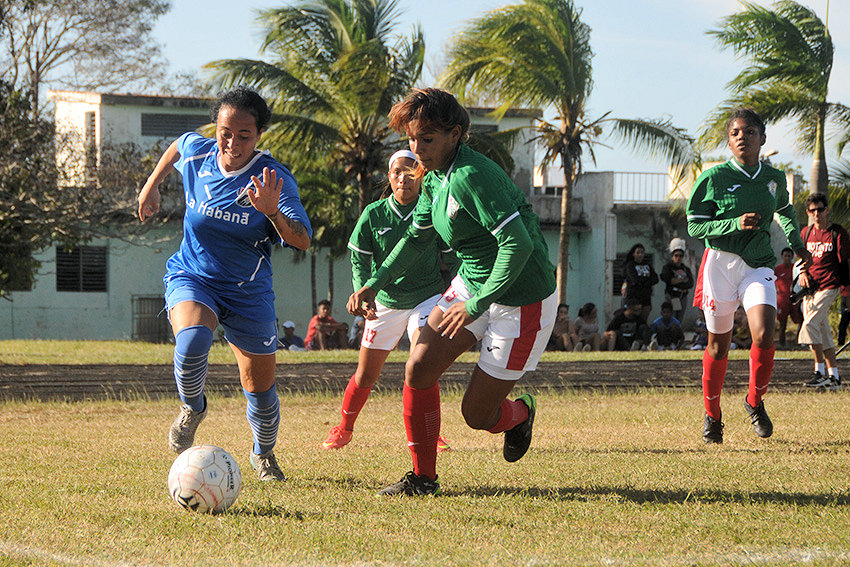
[613,478]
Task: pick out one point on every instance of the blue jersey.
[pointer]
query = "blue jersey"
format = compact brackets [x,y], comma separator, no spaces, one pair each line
[227,243]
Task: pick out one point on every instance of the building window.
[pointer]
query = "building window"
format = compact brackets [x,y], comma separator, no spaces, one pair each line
[81,269]
[149,321]
[171,125]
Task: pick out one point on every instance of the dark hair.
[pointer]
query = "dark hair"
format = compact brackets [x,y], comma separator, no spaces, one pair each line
[436,108]
[630,255]
[667,305]
[243,98]
[562,305]
[817,199]
[586,309]
[786,249]
[749,115]
[324,302]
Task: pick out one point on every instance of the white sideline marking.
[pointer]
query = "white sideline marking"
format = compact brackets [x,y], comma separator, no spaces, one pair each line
[780,556]
[14,549]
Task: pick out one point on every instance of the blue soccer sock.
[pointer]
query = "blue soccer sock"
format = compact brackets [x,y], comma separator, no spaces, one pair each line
[191,351]
[264,418]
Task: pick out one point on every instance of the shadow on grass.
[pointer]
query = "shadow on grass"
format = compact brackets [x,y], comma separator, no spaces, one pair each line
[648,496]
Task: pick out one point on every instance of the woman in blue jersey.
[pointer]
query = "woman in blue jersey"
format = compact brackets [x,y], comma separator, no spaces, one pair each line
[732,206]
[504,293]
[239,203]
[402,305]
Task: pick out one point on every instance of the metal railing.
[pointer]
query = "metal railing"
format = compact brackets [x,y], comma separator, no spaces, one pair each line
[632,188]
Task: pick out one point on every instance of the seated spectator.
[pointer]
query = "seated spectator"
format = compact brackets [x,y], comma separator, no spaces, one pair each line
[741,330]
[289,340]
[628,329]
[355,333]
[563,334]
[586,326]
[700,332]
[666,330]
[324,332]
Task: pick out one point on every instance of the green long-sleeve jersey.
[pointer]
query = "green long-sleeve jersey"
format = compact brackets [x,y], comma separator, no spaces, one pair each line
[722,194]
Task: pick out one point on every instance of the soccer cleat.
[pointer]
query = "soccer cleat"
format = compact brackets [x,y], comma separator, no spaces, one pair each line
[412,484]
[713,430]
[834,384]
[758,415]
[337,438]
[518,438]
[443,445]
[181,436]
[266,466]
[818,380]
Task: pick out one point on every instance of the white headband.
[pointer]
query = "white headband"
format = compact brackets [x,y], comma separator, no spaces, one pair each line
[401,154]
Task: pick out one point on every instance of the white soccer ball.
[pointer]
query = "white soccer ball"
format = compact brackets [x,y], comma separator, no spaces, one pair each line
[205,478]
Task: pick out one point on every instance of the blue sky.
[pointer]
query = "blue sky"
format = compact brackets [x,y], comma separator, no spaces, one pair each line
[652,58]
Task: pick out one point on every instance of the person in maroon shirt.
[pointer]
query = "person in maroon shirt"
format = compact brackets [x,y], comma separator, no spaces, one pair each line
[829,245]
[784,271]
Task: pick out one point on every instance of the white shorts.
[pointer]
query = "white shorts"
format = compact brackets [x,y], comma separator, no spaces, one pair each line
[384,332]
[727,281]
[512,338]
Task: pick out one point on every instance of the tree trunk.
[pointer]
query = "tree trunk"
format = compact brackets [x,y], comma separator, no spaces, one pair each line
[819,182]
[331,279]
[564,235]
[364,183]
[313,299]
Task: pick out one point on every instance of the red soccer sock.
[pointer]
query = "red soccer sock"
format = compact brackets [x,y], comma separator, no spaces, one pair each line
[761,367]
[512,414]
[353,401]
[422,422]
[713,374]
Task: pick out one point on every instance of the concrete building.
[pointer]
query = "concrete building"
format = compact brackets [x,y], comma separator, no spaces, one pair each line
[112,288]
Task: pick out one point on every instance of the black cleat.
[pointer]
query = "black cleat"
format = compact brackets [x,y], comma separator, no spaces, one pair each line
[713,430]
[761,423]
[412,484]
[518,438]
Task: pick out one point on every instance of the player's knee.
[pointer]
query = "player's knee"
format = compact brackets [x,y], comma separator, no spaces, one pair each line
[194,340]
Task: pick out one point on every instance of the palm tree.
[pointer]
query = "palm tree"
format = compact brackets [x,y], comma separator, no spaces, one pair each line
[790,54]
[537,53]
[334,70]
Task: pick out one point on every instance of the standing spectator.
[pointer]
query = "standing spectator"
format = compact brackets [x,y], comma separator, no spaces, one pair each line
[239,202]
[784,272]
[829,246]
[731,207]
[587,327]
[640,277]
[677,278]
[666,330]
[289,340]
[627,329]
[324,332]
[563,333]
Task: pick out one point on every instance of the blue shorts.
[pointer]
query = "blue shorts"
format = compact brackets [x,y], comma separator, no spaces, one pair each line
[254,337]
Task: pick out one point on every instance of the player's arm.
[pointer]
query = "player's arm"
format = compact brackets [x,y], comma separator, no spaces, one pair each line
[701,211]
[149,198]
[362,256]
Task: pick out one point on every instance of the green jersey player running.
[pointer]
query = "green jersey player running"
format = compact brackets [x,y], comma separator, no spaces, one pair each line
[503,295]
[732,207]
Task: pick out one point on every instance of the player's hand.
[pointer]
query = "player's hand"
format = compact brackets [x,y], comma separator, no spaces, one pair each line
[149,199]
[749,221]
[266,193]
[362,302]
[454,319]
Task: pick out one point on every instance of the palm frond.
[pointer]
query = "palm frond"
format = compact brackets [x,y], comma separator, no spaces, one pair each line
[662,139]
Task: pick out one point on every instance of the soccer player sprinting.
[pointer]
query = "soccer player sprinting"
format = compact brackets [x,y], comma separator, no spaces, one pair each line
[239,202]
[503,295]
[403,304]
[731,207]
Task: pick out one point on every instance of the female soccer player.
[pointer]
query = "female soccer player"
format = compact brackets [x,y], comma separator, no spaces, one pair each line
[503,293]
[239,202]
[731,207]
[403,304]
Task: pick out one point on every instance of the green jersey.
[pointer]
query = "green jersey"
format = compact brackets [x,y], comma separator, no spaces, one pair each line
[379,228]
[724,193]
[477,210]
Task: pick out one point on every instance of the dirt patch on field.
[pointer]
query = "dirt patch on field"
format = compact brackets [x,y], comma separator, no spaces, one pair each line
[81,382]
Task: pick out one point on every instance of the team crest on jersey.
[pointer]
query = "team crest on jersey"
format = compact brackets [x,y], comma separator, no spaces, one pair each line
[242,197]
[772,188]
[451,207]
